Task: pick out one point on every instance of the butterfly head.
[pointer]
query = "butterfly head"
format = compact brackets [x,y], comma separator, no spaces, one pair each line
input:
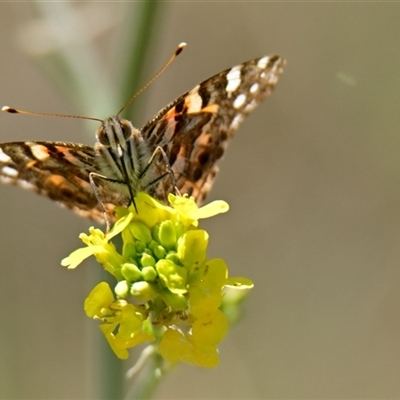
[115,133]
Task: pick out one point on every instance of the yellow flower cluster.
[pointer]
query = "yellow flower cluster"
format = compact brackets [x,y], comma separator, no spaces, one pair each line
[166,288]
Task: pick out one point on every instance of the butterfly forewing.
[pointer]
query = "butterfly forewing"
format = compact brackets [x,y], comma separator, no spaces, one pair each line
[195,129]
[192,131]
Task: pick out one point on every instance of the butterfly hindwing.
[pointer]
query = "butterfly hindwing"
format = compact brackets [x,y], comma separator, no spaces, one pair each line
[57,170]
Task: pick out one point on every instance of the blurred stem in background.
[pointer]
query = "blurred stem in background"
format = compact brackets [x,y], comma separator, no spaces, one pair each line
[62,41]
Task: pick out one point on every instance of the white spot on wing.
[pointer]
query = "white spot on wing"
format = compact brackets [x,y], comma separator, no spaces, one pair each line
[4,158]
[9,171]
[40,152]
[233,78]
[254,87]
[250,106]
[273,79]
[262,62]
[193,102]
[7,180]
[236,121]
[27,185]
[239,101]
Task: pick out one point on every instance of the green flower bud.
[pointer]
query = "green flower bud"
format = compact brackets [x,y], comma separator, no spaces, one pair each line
[167,235]
[144,291]
[122,289]
[180,228]
[173,256]
[140,231]
[149,274]
[129,250]
[152,245]
[159,252]
[131,272]
[140,247]
[147,260]
[155,232]
[148,251]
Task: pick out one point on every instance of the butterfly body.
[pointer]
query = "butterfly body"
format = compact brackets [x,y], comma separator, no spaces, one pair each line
[123,157]
[179,148]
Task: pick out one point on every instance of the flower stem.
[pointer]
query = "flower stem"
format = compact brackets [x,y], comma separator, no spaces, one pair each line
[148,377]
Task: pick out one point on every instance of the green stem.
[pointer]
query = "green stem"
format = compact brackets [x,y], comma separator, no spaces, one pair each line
[150,370]
[137,51]
[71,60]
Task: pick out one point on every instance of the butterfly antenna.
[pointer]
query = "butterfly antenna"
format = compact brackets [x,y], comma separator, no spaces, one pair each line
[39,114]
[178,50]
[12,110]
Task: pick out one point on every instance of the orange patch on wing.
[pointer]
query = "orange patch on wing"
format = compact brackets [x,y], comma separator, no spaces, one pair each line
[171,113]
[212,108]
[61,149]
[191,108]
[31,164]
[55,180]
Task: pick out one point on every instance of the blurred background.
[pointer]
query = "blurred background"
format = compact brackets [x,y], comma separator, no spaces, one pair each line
[312,178]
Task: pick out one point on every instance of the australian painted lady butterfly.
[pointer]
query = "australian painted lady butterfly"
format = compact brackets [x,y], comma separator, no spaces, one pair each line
[186,138]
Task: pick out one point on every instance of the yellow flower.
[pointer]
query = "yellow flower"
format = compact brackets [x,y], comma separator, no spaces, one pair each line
[122,321]
[166,288]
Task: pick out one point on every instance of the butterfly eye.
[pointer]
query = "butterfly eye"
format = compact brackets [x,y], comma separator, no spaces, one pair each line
[102,136]
[126,127]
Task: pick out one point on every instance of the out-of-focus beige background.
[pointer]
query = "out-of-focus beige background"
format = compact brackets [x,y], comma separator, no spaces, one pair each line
[313,181]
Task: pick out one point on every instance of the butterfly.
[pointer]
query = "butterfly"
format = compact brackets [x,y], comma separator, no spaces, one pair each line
[177,150]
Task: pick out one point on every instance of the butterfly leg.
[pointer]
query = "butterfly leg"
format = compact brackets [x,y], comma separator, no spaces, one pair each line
[170,173]
[92,176]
